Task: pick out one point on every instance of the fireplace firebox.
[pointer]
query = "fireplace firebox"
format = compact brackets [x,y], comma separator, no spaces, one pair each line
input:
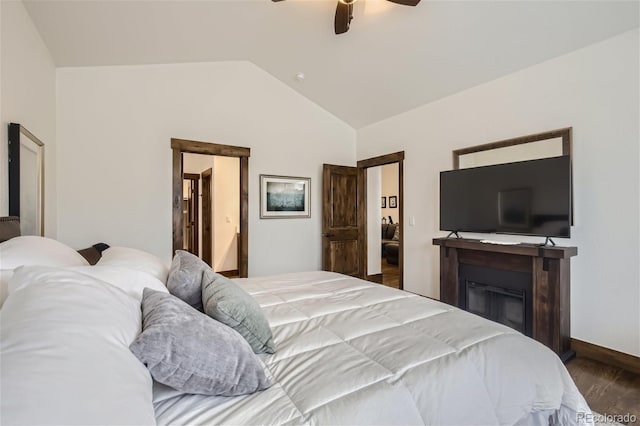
[499,295]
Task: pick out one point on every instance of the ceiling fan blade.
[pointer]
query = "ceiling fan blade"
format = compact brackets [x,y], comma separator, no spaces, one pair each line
[343,17]
[402,2]
[276,0]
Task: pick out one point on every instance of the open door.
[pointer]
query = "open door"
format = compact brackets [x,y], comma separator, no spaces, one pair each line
[207,210]
[340,227]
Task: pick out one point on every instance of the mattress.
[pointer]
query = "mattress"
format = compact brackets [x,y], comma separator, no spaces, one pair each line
[354,352]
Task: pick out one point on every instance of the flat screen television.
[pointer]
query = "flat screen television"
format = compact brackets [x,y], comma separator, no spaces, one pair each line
[527,198]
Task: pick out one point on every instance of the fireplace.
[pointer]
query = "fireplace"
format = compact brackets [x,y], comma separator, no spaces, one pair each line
[499,295]
[524,286]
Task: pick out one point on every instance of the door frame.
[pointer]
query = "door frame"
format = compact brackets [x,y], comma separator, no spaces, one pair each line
[195,193]
[207,237]
[363,165]
[180,146]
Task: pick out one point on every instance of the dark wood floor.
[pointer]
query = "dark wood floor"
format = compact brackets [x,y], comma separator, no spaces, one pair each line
[607,389]
[390,274]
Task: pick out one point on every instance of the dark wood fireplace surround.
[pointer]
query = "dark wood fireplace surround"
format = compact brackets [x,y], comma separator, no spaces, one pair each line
[550,272]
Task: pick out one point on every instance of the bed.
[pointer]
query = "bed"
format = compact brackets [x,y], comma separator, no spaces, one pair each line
[348,352]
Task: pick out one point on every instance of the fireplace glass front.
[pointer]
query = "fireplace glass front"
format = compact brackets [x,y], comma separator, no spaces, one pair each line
[496,294]
[497,304]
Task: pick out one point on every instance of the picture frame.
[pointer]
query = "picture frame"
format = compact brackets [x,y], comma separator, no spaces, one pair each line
[384,203]
[285,197]
[393,202]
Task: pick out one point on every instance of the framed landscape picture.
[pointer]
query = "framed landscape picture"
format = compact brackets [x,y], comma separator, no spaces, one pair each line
[285,197]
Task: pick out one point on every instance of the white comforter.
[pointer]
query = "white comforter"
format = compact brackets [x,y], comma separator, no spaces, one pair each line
[353,352]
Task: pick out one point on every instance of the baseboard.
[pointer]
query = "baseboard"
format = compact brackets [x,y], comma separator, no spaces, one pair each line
[606,355]
[376,278]
[233,274]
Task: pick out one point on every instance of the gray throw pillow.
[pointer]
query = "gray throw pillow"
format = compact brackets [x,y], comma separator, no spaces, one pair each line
[193,353]
[224,301]
[185,278]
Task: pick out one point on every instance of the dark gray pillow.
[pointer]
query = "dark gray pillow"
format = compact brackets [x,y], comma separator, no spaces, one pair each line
[224,301]
[193,353]
[9,227]
[185,278]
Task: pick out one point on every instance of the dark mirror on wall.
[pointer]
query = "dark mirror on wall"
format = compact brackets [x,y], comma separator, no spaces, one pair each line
[26,179]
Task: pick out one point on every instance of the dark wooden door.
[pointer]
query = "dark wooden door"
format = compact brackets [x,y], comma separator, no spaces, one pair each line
[207,213]
[340,235]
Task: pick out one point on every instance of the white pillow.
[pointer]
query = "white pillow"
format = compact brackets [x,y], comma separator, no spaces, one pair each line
[34,250]
[130,281]
[64,343]
[135,259]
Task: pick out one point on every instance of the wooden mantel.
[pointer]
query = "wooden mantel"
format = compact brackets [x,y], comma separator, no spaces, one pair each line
[523,249]
[549,267]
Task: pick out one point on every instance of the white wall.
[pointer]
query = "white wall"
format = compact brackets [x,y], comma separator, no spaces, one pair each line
[374,232]
[226,205]
[596,91]
[28,97]
[390,189]
[115,126]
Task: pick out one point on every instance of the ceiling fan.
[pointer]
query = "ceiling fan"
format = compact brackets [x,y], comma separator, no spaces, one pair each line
[344,13]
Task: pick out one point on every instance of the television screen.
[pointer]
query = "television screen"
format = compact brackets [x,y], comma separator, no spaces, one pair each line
[528,197]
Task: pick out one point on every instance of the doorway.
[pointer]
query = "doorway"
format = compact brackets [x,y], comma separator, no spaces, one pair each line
[222,193]
[205,234]
[352,228]
[383,224]
[382,182]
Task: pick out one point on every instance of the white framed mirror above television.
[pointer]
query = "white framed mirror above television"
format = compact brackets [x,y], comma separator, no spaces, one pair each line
[552,143]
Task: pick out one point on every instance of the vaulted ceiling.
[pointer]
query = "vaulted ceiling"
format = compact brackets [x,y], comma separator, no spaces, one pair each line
[394,58]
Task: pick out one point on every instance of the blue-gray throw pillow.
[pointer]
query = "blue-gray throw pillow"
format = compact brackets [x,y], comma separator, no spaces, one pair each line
[185,278]
[190,352]
[224,301]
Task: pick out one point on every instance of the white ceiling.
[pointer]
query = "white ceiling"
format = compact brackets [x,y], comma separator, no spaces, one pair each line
[394,58]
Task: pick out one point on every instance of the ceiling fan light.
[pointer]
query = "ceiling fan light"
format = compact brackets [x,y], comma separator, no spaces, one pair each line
[347,1]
